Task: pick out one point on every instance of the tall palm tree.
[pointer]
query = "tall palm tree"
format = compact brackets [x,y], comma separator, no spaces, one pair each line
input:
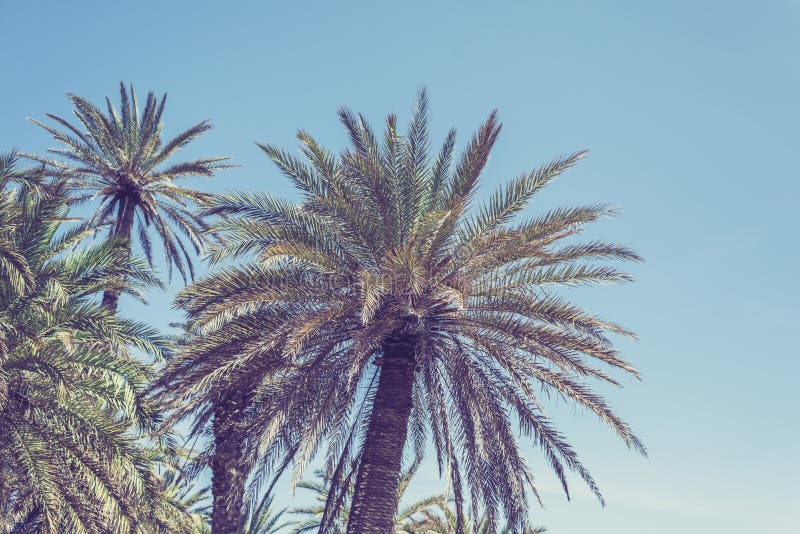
[387,309]
[71,408]
[120,158]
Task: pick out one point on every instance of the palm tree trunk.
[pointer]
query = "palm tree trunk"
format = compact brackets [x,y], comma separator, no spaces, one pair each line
[375,498]
[122,229]
[227,474]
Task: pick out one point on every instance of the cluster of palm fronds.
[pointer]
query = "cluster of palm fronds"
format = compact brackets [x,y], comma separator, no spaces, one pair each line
[71,403]
[78,440]
[388,312]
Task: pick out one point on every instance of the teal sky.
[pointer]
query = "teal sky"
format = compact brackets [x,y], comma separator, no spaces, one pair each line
[690,111]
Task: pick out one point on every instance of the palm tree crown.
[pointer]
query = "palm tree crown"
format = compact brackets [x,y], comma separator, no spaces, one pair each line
[386,310]
[119,157]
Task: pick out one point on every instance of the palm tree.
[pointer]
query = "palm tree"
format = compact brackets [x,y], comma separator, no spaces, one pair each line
[386,309]
[222,416]
[311,515]
[14,270]
[263,519]
[119,157]
[444,520]
[183,506]
[406,517]
[71,408]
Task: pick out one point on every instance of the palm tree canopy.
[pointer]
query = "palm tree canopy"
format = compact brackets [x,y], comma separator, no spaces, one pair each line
[120,158]
[390,243]
[71,409]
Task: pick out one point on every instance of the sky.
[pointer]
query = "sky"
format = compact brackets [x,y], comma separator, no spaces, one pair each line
[689,109]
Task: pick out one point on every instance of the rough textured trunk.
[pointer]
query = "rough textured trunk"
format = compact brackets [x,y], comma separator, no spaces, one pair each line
[227,474]
[375,498]
[122,229]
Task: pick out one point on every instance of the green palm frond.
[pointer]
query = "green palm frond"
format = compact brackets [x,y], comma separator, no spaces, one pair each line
[263,519]
[72,375]
[443,519]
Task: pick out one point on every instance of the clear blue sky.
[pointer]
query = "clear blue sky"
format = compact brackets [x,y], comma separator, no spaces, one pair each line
[690,110]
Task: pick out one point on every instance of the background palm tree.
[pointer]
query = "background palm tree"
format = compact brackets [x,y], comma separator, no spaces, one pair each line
[119,157]
[14,270]
[310,516]
[71,410]
[406,520]
[221,415]
[264,519]
[444,520]
[183,506]
[386,309]
[186,508]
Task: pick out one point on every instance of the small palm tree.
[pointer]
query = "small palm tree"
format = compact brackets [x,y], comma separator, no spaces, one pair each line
[408,515]
[263,519]
[311,515]
[444,520]
[386,309]
[405,521]
[119,157]
[71,408]
[185,508]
